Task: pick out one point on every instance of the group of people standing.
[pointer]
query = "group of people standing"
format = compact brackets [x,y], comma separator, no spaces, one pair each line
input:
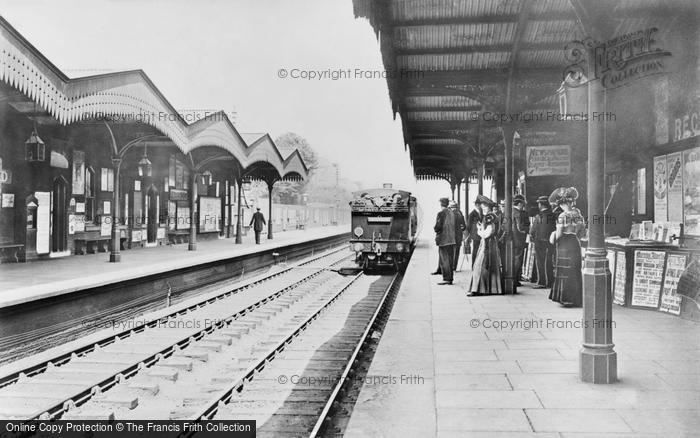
[554,231]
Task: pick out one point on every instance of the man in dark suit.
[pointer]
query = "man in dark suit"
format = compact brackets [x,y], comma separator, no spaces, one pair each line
[472,227]
[445,240]
[520,229]
[544,223]
[460,226]
[257,222]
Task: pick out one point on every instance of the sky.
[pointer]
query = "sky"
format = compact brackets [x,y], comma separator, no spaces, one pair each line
[230,55]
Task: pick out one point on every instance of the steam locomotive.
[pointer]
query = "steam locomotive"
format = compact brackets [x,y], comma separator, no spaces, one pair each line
[384,223]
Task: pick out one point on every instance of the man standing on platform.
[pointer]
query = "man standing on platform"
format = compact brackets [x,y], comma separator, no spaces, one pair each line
[460,226]
[257,222]
[520,229]
[473,221]
[544,224]
[499,212]
[445,240]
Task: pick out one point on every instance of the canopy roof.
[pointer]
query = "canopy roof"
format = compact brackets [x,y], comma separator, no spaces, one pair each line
[127,96]
[449,62]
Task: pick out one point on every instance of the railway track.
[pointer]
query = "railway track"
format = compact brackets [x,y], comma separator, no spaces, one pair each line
[119,369]
[299,387]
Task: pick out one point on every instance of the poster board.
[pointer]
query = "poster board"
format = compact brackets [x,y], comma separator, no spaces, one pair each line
[691,192]
[674,165]
[660,189]
[105,226]
[209,214]
[183,218]
[43,222]
[620,278]
[648,277]
[529,262]
[78,173]
[548,160]
[670,300]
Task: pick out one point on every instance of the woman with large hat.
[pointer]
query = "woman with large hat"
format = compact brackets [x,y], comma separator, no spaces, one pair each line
[486,270]
[567,289]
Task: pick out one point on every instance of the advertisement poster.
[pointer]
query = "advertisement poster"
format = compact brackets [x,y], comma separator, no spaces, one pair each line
[691,191]
[209,214]
[78,172]
[620,278]
[648,273]
[674,164]
[660,189]
[670,300]
[548,160]
[43,222]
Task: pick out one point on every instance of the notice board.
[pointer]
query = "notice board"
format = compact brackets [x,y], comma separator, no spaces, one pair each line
[670,300]
[648,277]
[620,278]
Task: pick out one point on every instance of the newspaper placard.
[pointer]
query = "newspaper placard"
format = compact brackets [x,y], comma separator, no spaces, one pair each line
[620,278]
[670,300]
[648,275]
[548,160]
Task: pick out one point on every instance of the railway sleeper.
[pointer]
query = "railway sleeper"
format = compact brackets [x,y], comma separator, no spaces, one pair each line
[165,373]
[200,354]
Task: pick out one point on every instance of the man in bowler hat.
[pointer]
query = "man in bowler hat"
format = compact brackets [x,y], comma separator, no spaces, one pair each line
[445,240]
[542,227]
[257,222]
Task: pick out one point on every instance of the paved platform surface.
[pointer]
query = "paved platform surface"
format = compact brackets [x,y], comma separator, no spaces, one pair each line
[465,378]
[22,282]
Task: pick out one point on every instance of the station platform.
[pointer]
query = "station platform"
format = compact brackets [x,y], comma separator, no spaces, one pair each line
[455,375]
[25,282]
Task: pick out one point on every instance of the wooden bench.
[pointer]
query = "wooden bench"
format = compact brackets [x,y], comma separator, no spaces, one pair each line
[177,237]
[10,251]
[91,245]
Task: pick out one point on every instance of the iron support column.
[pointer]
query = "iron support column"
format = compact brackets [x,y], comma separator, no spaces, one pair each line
[509,283]
[270,186]
[598,360]
[115,255]
[192,246]
[239,224]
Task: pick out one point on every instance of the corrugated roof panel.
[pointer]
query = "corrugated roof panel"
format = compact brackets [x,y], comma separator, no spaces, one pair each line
[560,31]
[440,116]
[439,102]
[546,6]
[437,142]
[453,36]
[542,58]
[432,9]
[455,61]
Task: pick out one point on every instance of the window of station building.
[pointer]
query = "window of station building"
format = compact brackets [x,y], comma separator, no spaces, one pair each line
[90,195]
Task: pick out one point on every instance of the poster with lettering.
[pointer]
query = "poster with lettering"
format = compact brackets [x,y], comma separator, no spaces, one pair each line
[648,274]
[209,214]
[620,278]
[660,189]
[548,160]
[691,192]
[670,300]
[674,164]
[78,172]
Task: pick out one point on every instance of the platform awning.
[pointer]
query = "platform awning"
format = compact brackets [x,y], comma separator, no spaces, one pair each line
[452,63]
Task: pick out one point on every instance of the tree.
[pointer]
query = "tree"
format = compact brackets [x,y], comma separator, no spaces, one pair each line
[289,192]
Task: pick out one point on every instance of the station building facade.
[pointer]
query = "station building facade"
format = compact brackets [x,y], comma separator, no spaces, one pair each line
[105,163]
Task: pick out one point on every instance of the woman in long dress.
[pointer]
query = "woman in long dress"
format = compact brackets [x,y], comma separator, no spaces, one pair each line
[486,271]
[567,289]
